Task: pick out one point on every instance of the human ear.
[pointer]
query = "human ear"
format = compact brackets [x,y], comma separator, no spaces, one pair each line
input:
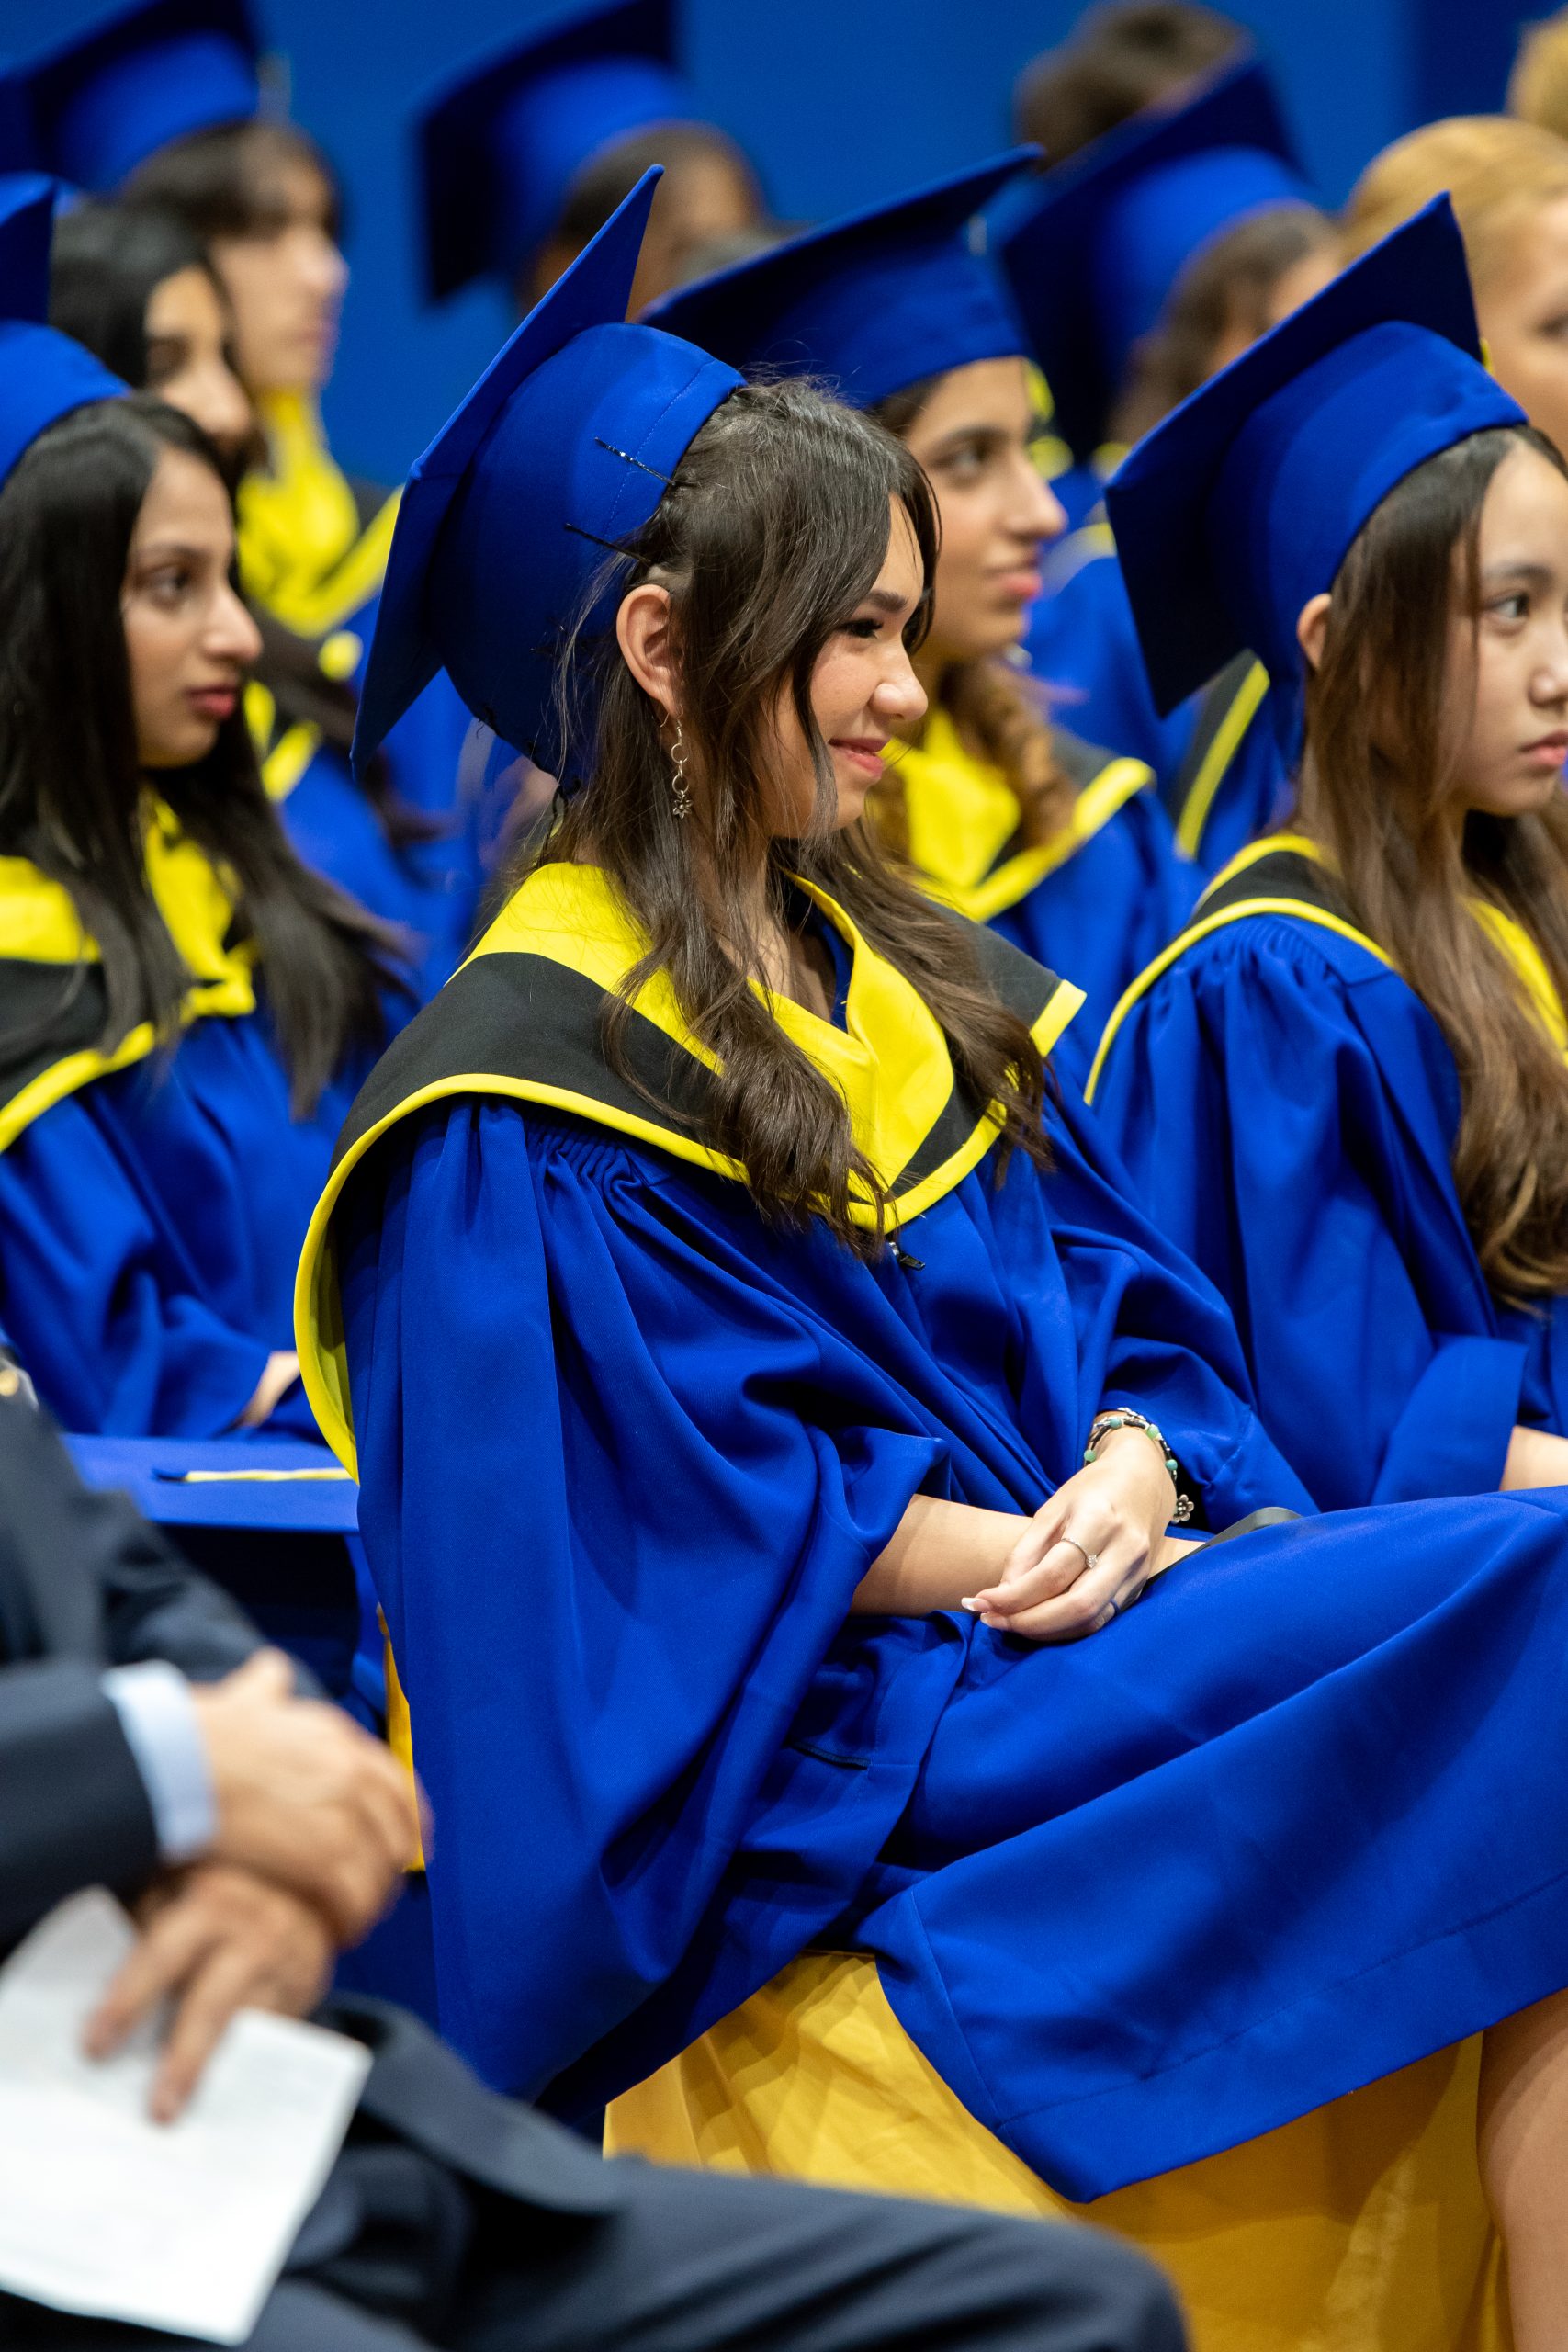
[646,642]
[1311,629]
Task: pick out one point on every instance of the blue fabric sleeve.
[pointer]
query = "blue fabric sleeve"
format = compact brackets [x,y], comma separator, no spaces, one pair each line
[112,1344]
[1290,1127]
[615,1520]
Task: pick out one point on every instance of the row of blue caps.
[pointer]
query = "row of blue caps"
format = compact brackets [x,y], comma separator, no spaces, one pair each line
[1228,517]
[501,143]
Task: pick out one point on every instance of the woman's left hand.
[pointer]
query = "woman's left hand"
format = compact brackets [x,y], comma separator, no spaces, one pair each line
[1089,1552]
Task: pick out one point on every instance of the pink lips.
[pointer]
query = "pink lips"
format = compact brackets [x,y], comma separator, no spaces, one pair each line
[213,702]
[1548,750]
[862,751]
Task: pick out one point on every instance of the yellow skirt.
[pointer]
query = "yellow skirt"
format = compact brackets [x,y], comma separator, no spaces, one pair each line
[1360,2228]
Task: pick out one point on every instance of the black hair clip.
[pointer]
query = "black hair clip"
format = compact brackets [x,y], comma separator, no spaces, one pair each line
[610,545]
[627,460]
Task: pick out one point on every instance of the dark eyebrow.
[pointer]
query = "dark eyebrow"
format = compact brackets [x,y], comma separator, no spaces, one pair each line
[885,601]
[162,549]
[962,432]
[1534,575]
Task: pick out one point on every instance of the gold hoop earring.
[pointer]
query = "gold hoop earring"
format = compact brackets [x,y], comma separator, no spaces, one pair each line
[681,795]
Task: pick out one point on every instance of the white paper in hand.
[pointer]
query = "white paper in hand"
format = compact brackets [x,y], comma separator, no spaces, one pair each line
[184,2226]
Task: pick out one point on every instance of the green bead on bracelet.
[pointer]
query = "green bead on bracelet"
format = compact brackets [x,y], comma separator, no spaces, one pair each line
[1100,1429]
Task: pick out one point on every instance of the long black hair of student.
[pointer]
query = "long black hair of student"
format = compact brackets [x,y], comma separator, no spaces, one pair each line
[775,527]
[104,267]
[73,796]
[1376,791]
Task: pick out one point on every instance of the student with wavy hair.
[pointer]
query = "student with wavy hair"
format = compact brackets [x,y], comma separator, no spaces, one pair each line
[757,1382]
[1344,1089]
[183,1007]
[1059,846]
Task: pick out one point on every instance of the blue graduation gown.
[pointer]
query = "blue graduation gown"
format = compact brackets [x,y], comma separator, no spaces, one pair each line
[1287,1107]
[1083,646]
[1136,1899]
[149,1228]
[1099,919]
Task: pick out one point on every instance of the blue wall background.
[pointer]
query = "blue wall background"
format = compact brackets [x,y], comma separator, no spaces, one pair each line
[839,105]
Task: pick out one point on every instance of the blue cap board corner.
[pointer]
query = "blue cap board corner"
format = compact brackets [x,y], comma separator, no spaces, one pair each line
[559,454]
[1095,258]
[499,142]
[94,106]
[1240,506]
[43,374]
[873,302]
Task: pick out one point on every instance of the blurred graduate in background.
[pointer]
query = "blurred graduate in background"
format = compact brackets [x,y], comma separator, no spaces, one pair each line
[1344,1090]
[1060,846]
[162,104]
[1149,260]
[525,152]
[185,1008]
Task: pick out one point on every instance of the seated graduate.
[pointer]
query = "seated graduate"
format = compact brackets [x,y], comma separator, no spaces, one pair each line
[1196,214]
[186,1009]
[526,150]
[719,1220]
[140,291]
[145,1744]
[1060,847]
[1120,56]
[1343,1088]
[160,104]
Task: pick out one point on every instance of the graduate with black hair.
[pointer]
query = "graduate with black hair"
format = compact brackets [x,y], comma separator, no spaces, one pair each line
[1343,1088]
[161,104]
[835,1435]
[1058,845]
[184,1008]
[138,290]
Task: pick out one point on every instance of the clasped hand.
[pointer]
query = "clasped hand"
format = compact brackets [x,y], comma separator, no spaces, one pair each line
[1115,1512]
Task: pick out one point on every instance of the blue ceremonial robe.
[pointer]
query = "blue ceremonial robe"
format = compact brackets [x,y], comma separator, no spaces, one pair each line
[149,1228]
[1136,1899]
[1287,1107]
[1083,647]
[1100,918]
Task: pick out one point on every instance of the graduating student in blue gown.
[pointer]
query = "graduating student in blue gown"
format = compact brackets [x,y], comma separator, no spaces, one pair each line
[159,104]
[138,290]
[726,1537]
[1345,1092]
[1142,262]
[1061,847]
[525,151]
[184,1008]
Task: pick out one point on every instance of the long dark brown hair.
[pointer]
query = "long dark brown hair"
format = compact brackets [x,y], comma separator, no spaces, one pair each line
[1376,792]
[998,717]
[773,530]
[73,795]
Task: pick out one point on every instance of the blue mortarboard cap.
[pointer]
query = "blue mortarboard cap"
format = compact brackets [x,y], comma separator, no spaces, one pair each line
[43,375]
[92,108]
[559,454]
[1239,508]
[499,147]
[1094,260]
[870,303]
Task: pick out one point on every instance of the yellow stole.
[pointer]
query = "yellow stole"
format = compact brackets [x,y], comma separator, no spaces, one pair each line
[306,552]
[962,818]
[523,1020]
[42,940]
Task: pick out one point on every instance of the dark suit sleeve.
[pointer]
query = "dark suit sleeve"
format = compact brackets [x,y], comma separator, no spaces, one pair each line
[99,1581]
[73,1812]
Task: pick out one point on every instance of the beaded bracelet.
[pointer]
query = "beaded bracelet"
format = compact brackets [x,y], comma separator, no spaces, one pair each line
[1100,1429]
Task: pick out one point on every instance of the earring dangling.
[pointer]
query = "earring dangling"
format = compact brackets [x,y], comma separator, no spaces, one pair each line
[680,795]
